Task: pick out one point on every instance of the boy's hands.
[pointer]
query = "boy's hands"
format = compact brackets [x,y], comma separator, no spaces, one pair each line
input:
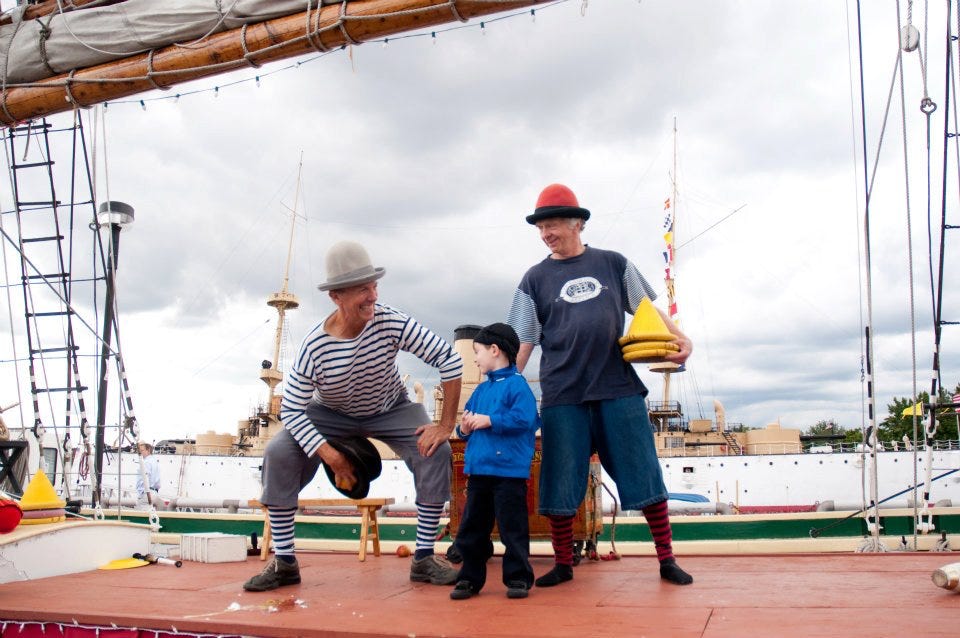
[472,421]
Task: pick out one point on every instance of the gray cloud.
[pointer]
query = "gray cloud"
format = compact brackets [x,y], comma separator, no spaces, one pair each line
[431,154]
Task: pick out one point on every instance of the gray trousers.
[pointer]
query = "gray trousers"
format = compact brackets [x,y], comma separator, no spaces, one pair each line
[287,469]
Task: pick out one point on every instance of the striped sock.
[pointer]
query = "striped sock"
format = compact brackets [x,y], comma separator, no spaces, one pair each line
[659,521]
[561,535]
[281,528]
[428,521]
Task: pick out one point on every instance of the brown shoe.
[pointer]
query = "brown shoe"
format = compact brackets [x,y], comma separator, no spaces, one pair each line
[277,573]
[433,569]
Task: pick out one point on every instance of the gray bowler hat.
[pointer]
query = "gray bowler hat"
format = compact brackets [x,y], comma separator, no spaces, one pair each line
[348,264]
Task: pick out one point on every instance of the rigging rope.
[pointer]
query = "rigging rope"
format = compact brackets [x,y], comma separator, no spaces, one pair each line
[6,277]
[869,432]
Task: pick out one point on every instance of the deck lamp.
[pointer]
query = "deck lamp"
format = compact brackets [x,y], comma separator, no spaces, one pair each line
[114,215]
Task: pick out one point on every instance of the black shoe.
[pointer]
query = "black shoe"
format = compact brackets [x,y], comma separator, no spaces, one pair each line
[559,574]
[670,571]
[454,555]
[517,589]
[277,573]
[462,590]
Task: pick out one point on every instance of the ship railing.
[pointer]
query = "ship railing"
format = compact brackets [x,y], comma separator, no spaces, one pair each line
[665,406]
[857,506]
[714,449]
[128,500]
[882,446]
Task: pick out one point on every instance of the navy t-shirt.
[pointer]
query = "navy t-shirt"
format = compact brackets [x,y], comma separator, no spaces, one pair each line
[575,309]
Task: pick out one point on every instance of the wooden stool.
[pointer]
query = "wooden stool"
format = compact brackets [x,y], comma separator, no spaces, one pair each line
[369,528]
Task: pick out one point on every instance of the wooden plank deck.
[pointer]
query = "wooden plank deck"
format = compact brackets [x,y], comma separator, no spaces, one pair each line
[875,595]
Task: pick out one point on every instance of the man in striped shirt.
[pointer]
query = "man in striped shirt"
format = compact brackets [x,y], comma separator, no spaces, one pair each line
[572,304]
[345,382]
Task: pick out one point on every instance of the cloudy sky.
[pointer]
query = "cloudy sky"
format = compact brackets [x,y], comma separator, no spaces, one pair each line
[430,151]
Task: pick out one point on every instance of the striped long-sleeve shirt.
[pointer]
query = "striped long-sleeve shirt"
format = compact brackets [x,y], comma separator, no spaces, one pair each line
[358,377]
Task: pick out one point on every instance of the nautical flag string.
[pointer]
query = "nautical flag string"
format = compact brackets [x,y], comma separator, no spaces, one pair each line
[668,257]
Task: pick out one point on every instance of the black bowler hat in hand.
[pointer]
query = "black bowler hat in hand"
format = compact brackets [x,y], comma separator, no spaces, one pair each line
[364,458]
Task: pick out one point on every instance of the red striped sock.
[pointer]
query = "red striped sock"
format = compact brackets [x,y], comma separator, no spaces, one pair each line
[561,535]
[659,521]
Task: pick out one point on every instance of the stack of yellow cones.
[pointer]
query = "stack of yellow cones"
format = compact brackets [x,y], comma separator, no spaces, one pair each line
[40,503]
[648,339]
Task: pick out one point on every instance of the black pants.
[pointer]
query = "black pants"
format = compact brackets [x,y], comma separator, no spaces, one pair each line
[504,500]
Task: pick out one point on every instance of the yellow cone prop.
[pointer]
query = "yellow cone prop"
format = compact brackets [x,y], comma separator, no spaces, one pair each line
[648,339]
[650,345]
[40,495]
[649,355]
[647,323]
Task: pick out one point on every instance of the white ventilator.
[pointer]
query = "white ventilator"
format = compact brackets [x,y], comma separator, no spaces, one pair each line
[947,577]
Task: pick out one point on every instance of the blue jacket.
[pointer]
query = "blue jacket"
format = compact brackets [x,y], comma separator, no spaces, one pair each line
[506,447]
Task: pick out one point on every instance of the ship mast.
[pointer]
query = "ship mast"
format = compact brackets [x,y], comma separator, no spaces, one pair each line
[282,301]
[667,367]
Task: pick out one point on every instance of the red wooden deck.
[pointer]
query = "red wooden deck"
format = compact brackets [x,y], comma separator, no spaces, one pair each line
[781,595]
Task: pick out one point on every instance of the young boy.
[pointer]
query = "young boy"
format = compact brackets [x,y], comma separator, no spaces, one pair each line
[499,423]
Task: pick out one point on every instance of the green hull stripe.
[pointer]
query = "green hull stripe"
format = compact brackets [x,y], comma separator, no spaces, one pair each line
[631,529]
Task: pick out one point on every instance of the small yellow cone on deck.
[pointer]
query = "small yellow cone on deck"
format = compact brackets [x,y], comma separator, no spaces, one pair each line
[40,495]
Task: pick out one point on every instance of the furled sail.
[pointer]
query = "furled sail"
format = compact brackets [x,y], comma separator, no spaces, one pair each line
[36,49]
[67,60]
[25,11]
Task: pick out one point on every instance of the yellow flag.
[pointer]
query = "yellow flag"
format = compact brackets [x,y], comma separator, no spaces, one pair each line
[668,237]
[913,410]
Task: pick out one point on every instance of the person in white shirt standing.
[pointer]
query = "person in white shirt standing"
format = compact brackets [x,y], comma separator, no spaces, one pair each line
[148,494]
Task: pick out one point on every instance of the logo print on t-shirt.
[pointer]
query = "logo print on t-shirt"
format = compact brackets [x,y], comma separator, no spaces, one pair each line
[582,289]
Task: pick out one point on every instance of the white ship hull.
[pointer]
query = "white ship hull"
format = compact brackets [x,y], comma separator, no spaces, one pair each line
[756,481]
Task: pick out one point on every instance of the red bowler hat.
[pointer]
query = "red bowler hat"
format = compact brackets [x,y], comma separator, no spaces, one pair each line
[556,200]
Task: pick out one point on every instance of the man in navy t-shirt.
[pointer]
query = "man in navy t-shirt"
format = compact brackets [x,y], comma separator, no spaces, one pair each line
[573,304]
